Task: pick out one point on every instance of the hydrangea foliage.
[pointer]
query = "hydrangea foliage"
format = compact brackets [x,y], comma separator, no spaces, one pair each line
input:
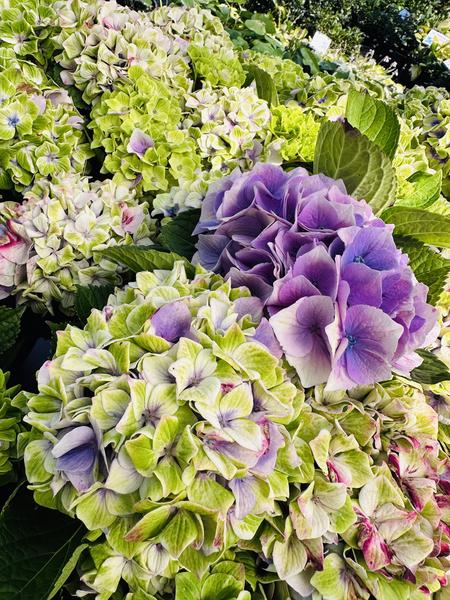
[344,303]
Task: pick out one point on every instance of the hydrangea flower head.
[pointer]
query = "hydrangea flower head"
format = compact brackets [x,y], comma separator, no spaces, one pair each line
[343,301]
[59,232]
[41,132]
[138,126]
[174,393]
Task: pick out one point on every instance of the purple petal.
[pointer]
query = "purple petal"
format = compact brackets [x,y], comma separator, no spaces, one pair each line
[365,284]
[264,335]
[319,268]
[244,495]
[374,247]
[210,249]
[139,143]
[172,321]
[320,214]
[288,290]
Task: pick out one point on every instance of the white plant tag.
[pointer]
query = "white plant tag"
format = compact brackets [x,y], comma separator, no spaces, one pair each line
[320,42]
[435,36]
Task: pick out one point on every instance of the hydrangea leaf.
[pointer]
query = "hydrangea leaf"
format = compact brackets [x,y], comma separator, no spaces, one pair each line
[265,86]
[431,371]
[177,236]
[67,570]
[374,119]
[427,227]
[429,267]
[140,258]
[9,327]
[342,152]
[426,188]
[35,544]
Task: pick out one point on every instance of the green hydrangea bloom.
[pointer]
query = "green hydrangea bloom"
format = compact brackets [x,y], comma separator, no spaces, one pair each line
[137,125]
[67,224]
[26,26]
[149,423]
[40,130]
[173,384]
[427,110]
[99,43]
[218,67]
[298,131]
[100,51]
[230,127]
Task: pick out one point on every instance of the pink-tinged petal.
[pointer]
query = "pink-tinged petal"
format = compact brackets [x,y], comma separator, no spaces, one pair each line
[132,218]
[375,550]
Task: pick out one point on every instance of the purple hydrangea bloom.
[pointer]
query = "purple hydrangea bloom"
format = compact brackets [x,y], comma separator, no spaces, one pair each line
[342,300]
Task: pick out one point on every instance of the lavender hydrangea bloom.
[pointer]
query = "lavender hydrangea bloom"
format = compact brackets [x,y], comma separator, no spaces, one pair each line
[342,300]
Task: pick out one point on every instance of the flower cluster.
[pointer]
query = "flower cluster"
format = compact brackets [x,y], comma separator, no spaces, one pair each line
[230,127]
[170,423]
[26,26]
[58,234]
[345,306]
[41,132]
[137,125]
[100,51]
[100,42]
[297,130]
[427,110]
[171,403]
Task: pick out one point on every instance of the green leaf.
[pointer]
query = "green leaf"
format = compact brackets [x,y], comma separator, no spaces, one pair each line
[431,371]
[427,188]
[145,258]
[177,236]
[375,119]
[256,26]
[427,227]
[9,327]
[36,545]
[89,297]
[429,267]
[67,570]
[342,152]
[265,86]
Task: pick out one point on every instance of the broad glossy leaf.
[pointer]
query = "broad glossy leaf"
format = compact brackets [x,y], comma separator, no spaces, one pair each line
[427,227]
[342,152]
[374,119]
